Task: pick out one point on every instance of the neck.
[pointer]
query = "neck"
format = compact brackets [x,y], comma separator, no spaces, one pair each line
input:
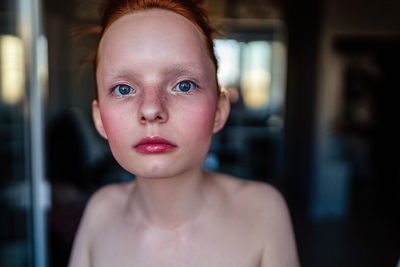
[169,202]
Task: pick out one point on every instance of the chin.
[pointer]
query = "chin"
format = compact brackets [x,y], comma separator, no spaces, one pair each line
[151,169]
[155,174]
[161,170]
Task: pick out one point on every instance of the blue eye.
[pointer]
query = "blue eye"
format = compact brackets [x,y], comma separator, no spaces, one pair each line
[123,89]
[185,86]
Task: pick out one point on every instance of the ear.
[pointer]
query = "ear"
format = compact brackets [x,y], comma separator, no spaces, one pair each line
[222,112]
[98,123]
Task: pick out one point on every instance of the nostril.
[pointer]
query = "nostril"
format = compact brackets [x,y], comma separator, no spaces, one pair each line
[154,118]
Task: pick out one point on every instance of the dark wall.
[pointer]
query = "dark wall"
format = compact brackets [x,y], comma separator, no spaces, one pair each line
[303,20]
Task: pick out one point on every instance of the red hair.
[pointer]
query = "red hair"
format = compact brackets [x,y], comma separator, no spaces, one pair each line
[111,10]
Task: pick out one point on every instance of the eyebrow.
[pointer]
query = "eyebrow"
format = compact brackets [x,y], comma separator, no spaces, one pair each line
[183,68]
[174,69]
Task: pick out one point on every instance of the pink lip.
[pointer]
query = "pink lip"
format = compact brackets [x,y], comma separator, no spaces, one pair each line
[154,145]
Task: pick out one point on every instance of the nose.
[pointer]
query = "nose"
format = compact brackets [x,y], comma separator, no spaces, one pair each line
[152,108]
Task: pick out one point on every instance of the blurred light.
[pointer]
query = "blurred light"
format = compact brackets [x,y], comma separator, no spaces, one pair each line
[211,162]
[42,63]
[255,88]
[11,69]
[256,78]
[228,55]
[275,123]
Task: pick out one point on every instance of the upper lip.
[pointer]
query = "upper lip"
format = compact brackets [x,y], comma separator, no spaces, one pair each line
[154,140]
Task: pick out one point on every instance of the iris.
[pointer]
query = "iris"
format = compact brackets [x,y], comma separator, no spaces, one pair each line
[123,89]
[185,86]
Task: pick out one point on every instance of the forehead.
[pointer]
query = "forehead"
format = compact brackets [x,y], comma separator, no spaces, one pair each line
[154,34]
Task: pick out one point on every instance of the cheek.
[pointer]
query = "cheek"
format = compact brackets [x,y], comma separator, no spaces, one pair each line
[114,125]
[204,121]
[199,120]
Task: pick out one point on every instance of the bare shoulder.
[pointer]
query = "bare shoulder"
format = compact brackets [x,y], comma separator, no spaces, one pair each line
[264,210]
[105,204]
[102,207]
[252,194]
[110,195]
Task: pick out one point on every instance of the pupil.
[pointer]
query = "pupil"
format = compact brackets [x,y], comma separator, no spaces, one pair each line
[123,89]
[184,86]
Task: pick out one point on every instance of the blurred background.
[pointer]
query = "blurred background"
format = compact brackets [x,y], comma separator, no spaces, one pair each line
[314,91]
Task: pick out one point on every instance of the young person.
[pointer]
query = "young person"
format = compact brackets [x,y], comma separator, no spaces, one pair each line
[158,104]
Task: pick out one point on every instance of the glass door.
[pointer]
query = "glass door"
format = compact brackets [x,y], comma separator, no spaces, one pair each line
[23,75]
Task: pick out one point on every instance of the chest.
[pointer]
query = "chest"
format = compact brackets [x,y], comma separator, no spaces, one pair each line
[230,244]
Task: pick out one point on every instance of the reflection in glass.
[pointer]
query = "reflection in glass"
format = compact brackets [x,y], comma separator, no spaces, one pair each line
[12,68]
[228,55]
[256,74]
[252,71]
[246,66]
[23,195]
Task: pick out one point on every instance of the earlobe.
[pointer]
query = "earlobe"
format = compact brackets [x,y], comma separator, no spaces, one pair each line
[222,113]
[98,123]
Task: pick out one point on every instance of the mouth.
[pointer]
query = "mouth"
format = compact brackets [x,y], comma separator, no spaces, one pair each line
[154,145]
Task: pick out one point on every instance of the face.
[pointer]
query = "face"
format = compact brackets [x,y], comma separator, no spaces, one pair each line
[157,103]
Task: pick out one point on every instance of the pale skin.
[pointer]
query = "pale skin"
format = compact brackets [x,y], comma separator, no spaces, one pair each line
[174,213]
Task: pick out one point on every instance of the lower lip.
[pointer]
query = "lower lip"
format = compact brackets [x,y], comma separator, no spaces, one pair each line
[155,148]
